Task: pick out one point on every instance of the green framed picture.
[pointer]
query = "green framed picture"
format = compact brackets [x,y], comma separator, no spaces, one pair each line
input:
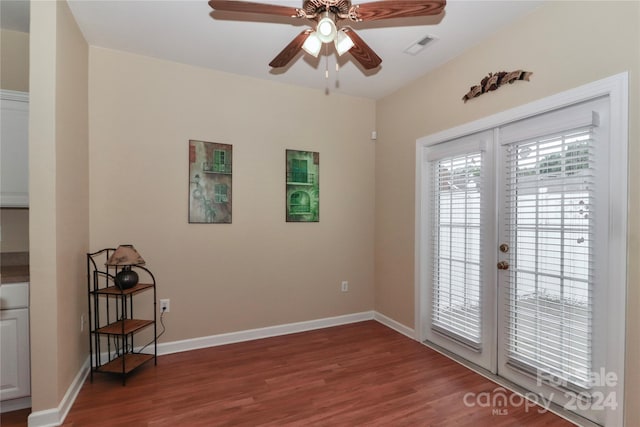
[302,186]
[210,176]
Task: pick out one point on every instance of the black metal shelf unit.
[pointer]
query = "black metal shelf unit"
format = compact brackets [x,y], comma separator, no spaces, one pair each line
[112,325]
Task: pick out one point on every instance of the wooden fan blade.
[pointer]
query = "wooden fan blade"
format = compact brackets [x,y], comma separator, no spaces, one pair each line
[388,9]
[292,49]
[250,7]
[361,51]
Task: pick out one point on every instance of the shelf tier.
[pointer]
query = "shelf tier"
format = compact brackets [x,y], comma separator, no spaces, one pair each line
[114,290]
[131,362]
[130,326]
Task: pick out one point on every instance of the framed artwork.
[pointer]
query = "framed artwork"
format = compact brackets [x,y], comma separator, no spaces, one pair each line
[210,175]
[303,186]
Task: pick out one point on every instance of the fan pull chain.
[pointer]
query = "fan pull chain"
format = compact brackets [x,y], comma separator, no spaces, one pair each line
[326,67]
[337,74]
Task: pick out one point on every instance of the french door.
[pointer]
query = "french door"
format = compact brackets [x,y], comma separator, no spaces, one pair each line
[516,225]
[461,237]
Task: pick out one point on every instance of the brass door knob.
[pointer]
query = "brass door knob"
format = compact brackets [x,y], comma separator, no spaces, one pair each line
[503,265]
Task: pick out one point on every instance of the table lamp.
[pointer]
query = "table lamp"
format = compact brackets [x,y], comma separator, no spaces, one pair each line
[125,256]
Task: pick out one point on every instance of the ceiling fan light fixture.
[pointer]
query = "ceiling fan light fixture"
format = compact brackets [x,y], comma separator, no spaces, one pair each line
[312,44]
[326,14]
[326,28]
[343,43]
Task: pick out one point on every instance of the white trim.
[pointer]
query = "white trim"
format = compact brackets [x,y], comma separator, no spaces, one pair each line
[618,249]
[15,404]
[614,85]
[395,325]
[13,95]
[254,334]
[55,417]
[420,308]
[15,200]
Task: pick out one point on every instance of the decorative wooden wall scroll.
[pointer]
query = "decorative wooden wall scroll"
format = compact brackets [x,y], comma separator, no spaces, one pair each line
[494,81]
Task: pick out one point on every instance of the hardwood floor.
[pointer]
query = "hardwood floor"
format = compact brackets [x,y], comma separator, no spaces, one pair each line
[15,418]
[363,374]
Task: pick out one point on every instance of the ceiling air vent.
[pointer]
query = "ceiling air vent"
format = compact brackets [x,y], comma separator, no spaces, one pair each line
[419,45]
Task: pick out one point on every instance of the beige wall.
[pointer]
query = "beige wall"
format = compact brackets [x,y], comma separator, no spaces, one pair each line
[72,192]
[258,271]
[14,75]
[565,44]
[59,207]
[14,60]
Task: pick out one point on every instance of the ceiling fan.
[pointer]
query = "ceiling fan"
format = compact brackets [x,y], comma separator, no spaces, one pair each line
[328,17]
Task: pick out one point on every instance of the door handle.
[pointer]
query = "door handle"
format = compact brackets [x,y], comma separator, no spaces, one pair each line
[503,265]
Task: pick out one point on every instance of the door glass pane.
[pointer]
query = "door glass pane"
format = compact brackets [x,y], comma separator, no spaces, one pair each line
[456,205]
[550,283]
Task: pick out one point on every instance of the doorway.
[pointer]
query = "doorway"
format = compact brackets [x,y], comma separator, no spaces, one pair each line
[521,253]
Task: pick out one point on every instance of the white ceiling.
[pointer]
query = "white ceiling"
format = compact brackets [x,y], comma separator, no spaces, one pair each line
[190,32]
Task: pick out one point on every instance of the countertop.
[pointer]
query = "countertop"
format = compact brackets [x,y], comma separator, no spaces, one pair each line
[14,274]
[14,267]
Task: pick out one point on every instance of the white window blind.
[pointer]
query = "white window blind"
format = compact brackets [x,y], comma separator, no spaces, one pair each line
[550,195]
[456,212]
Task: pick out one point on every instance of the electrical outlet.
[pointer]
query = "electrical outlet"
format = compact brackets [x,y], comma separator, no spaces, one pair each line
[165,305]
[345,286]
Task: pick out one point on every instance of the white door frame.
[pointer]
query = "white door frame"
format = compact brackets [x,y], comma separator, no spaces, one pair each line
[616,88]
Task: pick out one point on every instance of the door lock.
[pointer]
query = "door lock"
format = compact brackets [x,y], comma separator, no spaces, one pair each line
[503,265]
[504,248]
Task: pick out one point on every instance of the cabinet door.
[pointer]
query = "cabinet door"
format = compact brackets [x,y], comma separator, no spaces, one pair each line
[14,354]
[14,160]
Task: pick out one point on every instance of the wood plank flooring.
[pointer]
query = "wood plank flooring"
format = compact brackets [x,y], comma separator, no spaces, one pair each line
[363,374]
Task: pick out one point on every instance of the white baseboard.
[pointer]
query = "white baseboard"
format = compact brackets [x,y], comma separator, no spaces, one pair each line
[15,404]
[55,417]
[396,326]
[254,334]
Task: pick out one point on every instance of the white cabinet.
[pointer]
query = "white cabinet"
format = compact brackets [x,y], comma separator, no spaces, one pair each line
[14,150]
[15,377]
[14,332]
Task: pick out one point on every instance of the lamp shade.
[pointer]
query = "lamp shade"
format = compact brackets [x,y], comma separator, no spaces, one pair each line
[125,255]
[312,44]
[343,42]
